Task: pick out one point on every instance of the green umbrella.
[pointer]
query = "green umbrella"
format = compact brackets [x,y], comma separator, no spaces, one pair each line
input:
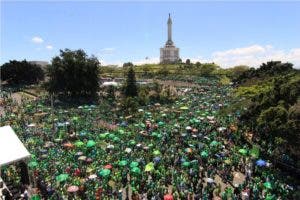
[116,139]
[184,108]
[75,118]
[111,136]
[104,173]
[160,123]
[181,118]
[186,164]
[254,152]
[103,135]
[243,152]
[268,185]
[35,197]
[132,142]
[122,163]
[62,177]
[156,152]
[153,134]
[79,143]
[136,170]
[204,154]
[32,164]
[229,191]
[134,164]
[149,167]
[90,143]
[213,143]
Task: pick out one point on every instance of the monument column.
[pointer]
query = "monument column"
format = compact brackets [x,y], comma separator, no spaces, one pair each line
[169,28]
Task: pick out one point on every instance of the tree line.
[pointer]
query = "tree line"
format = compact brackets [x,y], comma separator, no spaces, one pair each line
[274,109]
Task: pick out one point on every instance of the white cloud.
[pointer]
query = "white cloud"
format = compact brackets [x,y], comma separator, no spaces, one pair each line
[252,56]
[255,55]
[119,63]
[254,49]
[147,60]
[49,47]
[105,63]
[107,51]
[37,40]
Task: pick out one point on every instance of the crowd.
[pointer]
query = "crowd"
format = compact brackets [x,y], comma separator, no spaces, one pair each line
[182,150]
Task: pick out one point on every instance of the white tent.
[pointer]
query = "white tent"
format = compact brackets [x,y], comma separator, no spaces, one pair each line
[109,83]
[11,148]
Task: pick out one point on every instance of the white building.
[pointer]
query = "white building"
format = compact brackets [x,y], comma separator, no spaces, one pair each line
[169,53]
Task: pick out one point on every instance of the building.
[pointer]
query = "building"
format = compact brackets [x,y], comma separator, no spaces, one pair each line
[169,53]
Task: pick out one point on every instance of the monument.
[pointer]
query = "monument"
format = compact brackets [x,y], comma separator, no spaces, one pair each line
[169,53]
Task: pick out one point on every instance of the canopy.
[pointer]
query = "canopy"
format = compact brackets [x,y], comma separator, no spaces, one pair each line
[11,148]
[108,83]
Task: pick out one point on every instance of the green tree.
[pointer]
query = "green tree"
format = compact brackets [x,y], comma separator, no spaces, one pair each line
[130,89]
[265,70]
[198,64]
[73,73]
[163,72]
[21,72]
[274,118]
[188,62]
[207,69]
[127,64]
[237,71]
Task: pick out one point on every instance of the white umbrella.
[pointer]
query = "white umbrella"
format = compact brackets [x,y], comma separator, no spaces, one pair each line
[210,180]
[83,158]
[139,145]
[210,117]
[93,176]
[128,150]
[221,129]
[31,125]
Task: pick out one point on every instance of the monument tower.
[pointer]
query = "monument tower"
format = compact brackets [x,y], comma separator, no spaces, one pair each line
[169,53]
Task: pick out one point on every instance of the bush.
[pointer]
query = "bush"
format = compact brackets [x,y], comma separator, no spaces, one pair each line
[21,72]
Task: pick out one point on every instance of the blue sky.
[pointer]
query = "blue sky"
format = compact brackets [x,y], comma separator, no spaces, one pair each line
[228,33]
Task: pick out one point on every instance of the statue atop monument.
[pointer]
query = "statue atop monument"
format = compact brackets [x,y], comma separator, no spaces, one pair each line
[169,53]
[169,41]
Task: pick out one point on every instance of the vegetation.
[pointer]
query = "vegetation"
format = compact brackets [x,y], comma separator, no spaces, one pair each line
[163,70]
[74,74]
[268,69]
[273,111]
[130,87]
[21,73]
